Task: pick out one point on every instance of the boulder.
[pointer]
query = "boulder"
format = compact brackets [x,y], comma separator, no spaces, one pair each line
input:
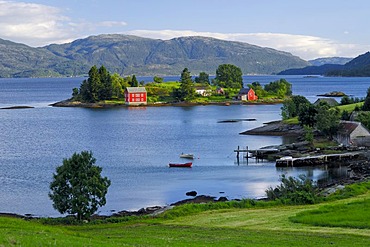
[191,193]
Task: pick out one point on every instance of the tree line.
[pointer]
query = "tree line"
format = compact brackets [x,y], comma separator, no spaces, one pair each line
[323,117]
[101,85]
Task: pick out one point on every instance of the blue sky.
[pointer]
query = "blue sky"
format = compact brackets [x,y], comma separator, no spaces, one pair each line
[308,29]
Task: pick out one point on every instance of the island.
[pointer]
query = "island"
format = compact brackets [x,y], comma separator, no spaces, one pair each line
[102,90]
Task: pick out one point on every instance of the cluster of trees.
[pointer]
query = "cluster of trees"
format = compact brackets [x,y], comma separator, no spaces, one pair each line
[280,89]
[227,76]
[321,117]
[101,85]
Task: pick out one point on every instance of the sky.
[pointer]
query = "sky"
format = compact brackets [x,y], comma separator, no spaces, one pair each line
[306,28]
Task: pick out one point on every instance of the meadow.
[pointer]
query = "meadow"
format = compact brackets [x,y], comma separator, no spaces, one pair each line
[341,220]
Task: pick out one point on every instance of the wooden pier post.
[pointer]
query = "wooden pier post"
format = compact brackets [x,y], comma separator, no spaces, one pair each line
[237,155]
[247,154]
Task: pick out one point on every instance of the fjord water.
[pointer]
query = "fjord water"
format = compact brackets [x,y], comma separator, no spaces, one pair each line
[135,145]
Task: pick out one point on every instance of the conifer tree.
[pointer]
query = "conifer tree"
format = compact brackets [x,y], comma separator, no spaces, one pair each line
[187,90]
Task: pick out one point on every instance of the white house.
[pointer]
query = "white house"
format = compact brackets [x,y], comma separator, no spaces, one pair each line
[202,91]
[353,133]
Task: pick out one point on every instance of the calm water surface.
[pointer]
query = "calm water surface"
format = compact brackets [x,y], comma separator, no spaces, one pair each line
[135,145]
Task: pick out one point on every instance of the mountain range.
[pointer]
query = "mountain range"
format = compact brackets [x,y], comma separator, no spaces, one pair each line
[359,66]
[329,60]
[126,55]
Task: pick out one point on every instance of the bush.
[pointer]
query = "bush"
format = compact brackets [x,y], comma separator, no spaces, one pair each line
[292,190]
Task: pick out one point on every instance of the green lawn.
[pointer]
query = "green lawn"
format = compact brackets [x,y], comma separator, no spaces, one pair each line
[351,215]
[350,107]
[261,226]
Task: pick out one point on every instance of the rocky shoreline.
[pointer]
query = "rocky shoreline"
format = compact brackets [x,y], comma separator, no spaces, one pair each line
[70,103]
[276,128]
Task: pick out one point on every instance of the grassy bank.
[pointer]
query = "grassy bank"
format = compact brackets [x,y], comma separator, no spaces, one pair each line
[342,222]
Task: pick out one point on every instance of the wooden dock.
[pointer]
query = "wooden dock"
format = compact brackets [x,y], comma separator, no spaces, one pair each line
[258,154]
[324,159]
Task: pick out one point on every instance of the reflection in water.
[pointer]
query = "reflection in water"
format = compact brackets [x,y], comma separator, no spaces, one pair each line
[323,175]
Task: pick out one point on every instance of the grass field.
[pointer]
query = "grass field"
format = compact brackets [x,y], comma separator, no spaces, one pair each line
[272,225]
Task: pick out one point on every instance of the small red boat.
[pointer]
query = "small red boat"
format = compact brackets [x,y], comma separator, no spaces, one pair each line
[188,164]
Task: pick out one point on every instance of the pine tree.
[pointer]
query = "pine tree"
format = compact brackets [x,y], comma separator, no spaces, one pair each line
[106,89]
[134,82]
[187,90]
[94,84]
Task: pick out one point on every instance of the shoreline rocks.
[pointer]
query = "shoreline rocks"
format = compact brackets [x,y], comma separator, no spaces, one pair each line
[276,128]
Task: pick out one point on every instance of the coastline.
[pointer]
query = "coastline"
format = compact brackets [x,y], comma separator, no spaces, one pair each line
[70,103]
[276,128]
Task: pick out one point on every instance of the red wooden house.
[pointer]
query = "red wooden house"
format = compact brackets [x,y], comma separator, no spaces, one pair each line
[135,96]
[247,94]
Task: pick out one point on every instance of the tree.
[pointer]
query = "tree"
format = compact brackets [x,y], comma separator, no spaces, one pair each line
[281,88]
[364,118]
[203,78]
[106,88]
[94,84]
[158,79]
[307,115]
[229,76]
[78,187]
[292,106]
[186,91]
[134,82]
[366,105]
[327,119]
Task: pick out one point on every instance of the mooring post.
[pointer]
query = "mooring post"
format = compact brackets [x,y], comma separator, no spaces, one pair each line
[247,154]
[237,155]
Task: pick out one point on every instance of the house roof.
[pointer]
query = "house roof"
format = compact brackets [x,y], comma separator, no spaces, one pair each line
[330,101]
[136,89]
[347,127]
[244,91]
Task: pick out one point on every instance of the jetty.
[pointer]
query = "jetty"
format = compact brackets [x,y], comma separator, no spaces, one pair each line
[258,154]
[323,159]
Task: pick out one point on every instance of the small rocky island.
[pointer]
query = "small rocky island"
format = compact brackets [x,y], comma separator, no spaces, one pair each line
[333,94]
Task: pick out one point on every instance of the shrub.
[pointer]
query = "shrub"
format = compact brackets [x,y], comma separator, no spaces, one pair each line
[292,190]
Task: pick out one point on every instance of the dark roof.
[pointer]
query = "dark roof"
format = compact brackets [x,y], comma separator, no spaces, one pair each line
[244,91]
[347,127]
[330,101]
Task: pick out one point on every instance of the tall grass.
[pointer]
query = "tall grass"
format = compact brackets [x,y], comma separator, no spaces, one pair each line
[352,215]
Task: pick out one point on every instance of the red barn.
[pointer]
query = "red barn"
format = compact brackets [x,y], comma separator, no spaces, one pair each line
[135,96]
[247,94]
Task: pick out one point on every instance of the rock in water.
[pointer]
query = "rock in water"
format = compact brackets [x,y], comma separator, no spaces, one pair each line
[191,193]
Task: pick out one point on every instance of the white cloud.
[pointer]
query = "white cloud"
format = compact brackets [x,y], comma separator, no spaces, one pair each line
[31,23]
[38,25]
[306,47]
[111,24]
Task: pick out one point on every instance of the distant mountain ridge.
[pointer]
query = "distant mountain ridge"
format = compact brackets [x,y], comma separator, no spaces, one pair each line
[126,54]
[359,66]
[330,60]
